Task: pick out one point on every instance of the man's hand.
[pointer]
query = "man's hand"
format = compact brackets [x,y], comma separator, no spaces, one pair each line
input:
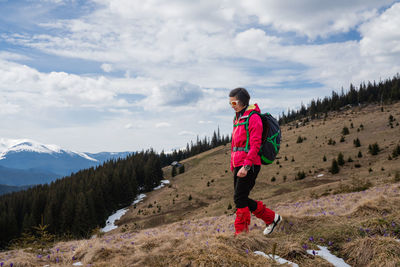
[242,172]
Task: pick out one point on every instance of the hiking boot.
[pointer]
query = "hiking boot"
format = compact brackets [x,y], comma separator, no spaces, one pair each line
[270,228]
[242,220]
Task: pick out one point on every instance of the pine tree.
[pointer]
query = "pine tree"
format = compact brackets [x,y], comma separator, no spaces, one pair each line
[340,159]
[335,167]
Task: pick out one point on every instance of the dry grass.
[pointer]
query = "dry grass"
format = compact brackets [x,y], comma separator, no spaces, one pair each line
[381,251]
[356,220]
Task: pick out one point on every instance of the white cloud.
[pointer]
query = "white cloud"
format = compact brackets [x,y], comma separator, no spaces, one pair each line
[381,35]
[162,125]
[312,18]
[199,42]
[174,94]
[7,108]
[186,133]
[106,67]
[255,44]
[29,87]
[12,56]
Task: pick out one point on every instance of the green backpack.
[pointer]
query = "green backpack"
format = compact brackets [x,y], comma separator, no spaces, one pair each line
[270,140]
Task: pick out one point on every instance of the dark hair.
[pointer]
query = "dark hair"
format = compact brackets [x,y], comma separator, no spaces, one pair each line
[241,94]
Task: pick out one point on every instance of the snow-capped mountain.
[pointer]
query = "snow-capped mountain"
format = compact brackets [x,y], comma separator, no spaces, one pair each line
[17,145]
[42,163]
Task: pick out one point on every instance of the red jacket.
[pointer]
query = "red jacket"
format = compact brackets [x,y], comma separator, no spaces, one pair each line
[239,138]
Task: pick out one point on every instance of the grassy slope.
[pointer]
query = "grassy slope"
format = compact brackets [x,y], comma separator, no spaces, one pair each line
[359,226]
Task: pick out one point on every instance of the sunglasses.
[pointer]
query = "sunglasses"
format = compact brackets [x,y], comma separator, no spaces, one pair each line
[234,103]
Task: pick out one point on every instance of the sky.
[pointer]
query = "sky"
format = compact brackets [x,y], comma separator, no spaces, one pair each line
[127,75]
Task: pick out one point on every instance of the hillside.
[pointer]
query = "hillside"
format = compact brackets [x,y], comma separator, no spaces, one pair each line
[189,223]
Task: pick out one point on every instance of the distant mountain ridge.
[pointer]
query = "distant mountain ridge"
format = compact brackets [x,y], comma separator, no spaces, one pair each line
[5,189]
[27,162]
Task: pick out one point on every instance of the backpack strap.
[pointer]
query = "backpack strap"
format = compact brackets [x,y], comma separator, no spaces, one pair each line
[246,125]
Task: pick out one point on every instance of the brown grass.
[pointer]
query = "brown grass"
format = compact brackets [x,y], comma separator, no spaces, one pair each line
[381,251]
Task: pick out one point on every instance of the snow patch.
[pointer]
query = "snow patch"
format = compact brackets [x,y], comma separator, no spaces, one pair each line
[78,263]
[111,220]
[276,258]
[320,175]
[139,198]
[163,183]
[328,256]
[119,213]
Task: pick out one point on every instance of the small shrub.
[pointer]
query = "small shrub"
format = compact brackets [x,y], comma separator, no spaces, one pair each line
[273,179]
[340,159]
[190,197]
[324,158]
[345,131]
[331,142]
[286,158]
[396,151]
[359,155]
[284,178]
[300,175]
[342,139]
[357,142]
[370,170]
[349,159]
[374,149]
[357,165]
[292,159]
[229,206]
[299,140]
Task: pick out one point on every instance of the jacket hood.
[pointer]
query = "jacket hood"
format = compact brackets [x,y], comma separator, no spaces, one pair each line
[252,107]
